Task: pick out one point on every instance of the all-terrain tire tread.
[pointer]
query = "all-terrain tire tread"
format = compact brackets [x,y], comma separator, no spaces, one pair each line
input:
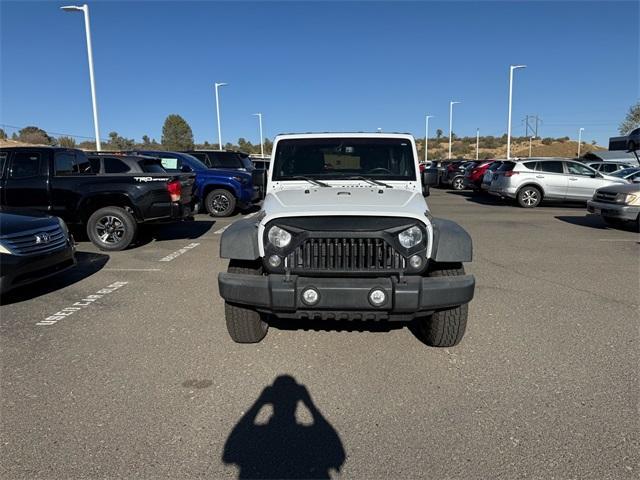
[244,325]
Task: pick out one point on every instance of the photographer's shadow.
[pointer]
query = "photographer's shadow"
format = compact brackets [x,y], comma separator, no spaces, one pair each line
[281,447]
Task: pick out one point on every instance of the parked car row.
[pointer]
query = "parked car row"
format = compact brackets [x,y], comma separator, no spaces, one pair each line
[111,194]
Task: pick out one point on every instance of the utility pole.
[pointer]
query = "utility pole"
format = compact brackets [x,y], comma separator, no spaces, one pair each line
[426,137]
[477,142]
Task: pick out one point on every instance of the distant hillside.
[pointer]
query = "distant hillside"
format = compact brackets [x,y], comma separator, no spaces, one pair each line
[496,147]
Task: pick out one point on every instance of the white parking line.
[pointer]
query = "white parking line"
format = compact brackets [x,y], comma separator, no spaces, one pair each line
[617,240]
[218,232]
[85,302]
[177,253]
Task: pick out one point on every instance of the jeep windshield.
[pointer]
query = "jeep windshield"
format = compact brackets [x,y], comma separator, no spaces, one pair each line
[344,159]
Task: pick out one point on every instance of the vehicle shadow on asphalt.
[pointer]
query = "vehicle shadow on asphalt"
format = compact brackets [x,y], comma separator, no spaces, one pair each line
[594,221]
[88,264]
[488,199]
[282,446]
[173,231]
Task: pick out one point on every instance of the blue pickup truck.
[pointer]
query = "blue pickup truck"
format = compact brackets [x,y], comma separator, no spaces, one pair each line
[221,191]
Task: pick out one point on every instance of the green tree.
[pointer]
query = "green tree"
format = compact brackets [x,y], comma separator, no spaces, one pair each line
[176,133]
[146,141]
[245,146]
[34,135]
[116,142]
[87,145]
[268,146]
[439,133]
[631,121]
[67,142]
[3,134]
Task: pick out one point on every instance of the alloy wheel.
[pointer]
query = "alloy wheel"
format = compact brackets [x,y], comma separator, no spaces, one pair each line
[530,198]
[220,203]
[110,229]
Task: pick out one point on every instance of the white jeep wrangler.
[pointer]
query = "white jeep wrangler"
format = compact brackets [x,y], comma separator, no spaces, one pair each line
[345,234]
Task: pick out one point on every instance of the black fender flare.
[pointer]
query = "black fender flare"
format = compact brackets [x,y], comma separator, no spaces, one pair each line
[240,240]
[451,242]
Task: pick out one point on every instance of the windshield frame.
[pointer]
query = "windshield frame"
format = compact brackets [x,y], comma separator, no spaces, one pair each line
[403,144]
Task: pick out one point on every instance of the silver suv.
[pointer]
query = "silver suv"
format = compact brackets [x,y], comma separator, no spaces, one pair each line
[531,180]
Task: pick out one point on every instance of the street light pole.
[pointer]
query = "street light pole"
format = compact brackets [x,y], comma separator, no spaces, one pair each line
[259,115]
[426,137]
[87,27]
[511,69]
[477,142]
[451,104]
[218,85]
[530,139]
[580,139]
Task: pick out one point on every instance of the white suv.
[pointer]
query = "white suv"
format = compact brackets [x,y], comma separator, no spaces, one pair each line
[531,180]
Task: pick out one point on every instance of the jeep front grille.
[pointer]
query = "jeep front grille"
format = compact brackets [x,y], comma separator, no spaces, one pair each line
[345,254]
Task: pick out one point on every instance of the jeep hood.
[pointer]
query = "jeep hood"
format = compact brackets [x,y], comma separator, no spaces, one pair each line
[345,201]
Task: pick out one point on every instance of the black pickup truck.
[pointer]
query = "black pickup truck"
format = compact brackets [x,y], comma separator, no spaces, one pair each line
[111,206]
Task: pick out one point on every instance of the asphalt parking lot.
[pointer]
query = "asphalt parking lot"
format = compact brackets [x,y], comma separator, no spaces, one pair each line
[123,367]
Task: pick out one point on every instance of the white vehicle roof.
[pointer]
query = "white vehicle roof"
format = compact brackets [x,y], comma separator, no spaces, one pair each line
[282,136]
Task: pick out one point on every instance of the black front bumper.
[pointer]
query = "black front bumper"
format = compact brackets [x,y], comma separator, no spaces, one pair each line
[18,270]
[346,298]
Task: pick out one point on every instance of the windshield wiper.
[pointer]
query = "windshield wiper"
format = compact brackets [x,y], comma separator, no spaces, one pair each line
[370,180]
[311,180]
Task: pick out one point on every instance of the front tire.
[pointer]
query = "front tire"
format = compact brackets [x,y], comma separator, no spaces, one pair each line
[220,203]
[457,183]
[111,229]
[244,324]
[444,328]
[529,197]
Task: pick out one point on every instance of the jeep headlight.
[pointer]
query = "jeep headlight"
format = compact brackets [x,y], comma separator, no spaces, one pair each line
[410,237]
[278,237]
[628,198]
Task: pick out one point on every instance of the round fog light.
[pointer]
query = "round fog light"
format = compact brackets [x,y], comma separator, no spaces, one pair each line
[310,296]
[415,261]
[377,297]
[274,261]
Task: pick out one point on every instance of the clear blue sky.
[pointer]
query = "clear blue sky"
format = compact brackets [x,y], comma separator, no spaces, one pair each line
[321,66]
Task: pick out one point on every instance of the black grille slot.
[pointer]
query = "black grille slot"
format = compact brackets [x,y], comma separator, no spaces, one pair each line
[345,254]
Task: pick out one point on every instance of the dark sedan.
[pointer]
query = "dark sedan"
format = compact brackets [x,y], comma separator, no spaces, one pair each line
[32,247]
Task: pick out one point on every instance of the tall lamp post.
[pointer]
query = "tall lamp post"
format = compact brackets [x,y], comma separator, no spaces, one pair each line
[87,27]
[580,139]
[218,85]
[451,104]
[511,69]
[259,115]
[426,137]
[477,142]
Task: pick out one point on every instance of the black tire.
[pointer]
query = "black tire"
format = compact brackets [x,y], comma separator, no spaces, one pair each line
[111,229]
[529,197]
[444,328]
[244,324]
[220,203]
[457,183]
